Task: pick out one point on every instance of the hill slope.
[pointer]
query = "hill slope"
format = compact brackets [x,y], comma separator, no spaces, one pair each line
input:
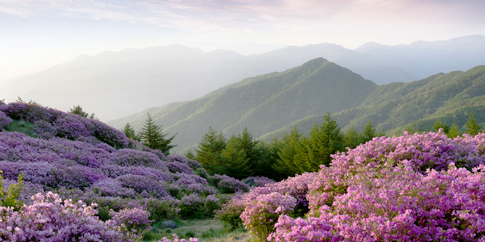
[263,103]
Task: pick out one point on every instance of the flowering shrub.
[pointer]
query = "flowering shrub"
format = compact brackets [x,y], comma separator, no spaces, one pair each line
[229,184]
[260,216]
[260,181]
[175,166]
[4,121]
[212,203]
[44,130]
[191,206]
[135,219]
[51,219]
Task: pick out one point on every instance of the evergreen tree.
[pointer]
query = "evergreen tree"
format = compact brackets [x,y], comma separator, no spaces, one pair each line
[79,111]
[472,127]
[286,165]
[454,131]
[152,136]
[441,125]
[210,149]
[130,132]
[368,133]
[352,138]
[190,154]
[323,141]
[235,161]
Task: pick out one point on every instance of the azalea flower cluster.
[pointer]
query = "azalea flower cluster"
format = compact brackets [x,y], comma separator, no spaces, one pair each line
[50,122]
[421,187]
[4,120]
[229,184]
[50,218]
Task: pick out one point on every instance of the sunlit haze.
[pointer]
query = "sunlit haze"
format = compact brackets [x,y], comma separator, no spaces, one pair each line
[36,35]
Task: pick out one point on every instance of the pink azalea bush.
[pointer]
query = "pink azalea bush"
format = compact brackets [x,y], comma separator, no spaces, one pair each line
[176,239]
[51,219]
[421,187]
[260,216]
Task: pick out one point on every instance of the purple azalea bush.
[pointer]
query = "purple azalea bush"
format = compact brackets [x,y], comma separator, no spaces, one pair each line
[421,187]
[4,121]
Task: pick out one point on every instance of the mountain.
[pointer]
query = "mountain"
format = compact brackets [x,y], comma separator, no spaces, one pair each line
[415,105]
[274,103]
[424,58]
[116,84]
[263,103]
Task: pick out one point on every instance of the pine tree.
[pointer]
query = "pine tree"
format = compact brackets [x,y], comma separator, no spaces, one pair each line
[472,127]
[235,161]
[79,111]
[286,165]
[352,138]
[454,131]
[130,132]
[152,136]
[441,125]
[368,133]
[323,141]
[210,149]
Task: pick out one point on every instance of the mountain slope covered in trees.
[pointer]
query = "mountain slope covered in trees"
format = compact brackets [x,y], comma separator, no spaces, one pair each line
[274,103]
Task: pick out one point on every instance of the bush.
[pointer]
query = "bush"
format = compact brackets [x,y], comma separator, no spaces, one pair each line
[4,121]
[260,216]
[192,206]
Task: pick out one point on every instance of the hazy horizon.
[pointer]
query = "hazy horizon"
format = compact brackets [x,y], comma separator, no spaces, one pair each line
[37,35]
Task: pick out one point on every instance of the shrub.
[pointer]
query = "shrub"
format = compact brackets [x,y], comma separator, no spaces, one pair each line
[135,219]
[260,216]
[4,121]
[51,219]
[192,206]
[228,184]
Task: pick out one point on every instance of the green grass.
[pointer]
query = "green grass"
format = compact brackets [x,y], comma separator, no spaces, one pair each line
[21,126]
[203,229]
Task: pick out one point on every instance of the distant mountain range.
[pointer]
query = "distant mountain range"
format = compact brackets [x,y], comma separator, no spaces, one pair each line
[116,84]
[273,103]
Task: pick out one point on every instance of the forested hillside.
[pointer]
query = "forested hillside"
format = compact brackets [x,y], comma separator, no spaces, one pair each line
[263,103]
[274,103]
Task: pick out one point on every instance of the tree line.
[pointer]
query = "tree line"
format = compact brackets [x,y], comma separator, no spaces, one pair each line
[293,153]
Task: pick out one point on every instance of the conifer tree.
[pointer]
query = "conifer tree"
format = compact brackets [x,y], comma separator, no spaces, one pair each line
[210,149]
[472,127]
[368,133]
[454,131]
[79,111]
[441,125]
[152,136]
[130,132]
[352,138]
[235,160]
[286,165]
[324,140]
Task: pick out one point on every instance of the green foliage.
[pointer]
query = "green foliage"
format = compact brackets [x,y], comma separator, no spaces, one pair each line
[472,127]
[454,131]
[439,125]
[11,198]
[79,111]
[323,140]
[368,133]
[235,162]
[130,132]
[286,164]
[152,136]
[210,149]
[352,138]
[21,126]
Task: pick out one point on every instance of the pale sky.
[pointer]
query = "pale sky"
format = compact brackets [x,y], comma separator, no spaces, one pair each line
[37,34]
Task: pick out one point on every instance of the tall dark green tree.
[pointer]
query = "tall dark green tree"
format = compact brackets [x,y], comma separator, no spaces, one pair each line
[324,140]
[352,138]
[472,127]
[210,149]
[235,160]
[152,136]
[454,131]
[441,125]
[286,165]
[368,133]
[130,132]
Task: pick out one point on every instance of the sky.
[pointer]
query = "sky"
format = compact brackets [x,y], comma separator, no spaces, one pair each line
[38,34]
